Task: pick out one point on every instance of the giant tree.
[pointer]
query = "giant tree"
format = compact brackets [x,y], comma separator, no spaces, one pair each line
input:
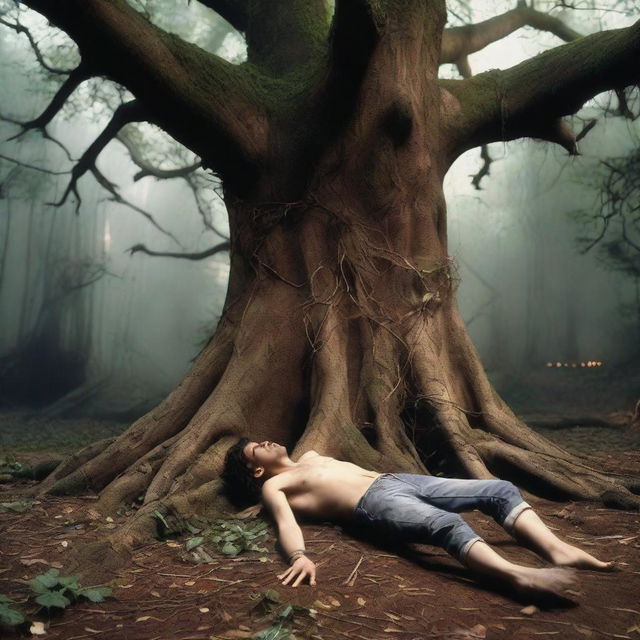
[340,329]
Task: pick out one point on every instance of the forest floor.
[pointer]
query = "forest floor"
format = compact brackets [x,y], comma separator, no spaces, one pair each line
[364,590]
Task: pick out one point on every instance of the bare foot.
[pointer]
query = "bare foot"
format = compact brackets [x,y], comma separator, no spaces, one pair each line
[544,583]
[569,556]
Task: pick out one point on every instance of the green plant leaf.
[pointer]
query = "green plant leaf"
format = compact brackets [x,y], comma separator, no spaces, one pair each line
[19,506]
[230,549]
[272,595]
[160,517]
[96,594]
[192,543]
[286,611]
[53,599]
[45,581]
[70,582]
[9,616]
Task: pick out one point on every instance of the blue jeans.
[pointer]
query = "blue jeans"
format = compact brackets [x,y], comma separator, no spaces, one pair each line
[417,508]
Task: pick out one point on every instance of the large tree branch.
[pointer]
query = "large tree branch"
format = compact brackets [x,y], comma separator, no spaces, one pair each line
[285,36]
[529,98]
[209,105]
[459,42]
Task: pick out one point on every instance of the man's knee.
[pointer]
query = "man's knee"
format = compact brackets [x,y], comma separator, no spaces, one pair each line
[451,532]
[508,489]
[503,496]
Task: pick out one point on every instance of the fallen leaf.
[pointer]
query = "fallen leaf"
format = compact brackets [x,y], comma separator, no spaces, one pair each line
[189,583]
[56,565]
[334,602]
[173,544]
[29,561]
[90,630]
[322,605]
[361,601]
[126,586]
[64,543]
[203,610]
[155,594]
[391,615]
[392,630]
[143,618]
[530,610]
[37,629]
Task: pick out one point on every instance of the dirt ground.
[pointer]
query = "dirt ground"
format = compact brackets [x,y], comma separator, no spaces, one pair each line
[364,590]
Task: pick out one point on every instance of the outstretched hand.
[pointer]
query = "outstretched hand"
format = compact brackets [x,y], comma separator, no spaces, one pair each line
[301,568]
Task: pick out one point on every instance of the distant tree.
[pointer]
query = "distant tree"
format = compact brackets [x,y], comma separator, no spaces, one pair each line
[612,227]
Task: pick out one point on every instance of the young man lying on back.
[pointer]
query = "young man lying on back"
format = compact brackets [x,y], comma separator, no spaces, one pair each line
[406,507]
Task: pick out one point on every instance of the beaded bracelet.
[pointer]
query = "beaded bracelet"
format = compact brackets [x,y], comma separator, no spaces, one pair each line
[297,552]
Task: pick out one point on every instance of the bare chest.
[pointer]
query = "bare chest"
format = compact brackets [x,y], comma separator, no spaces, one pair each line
[323,487]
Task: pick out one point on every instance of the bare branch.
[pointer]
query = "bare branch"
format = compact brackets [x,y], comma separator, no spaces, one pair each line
[223,246]
[75,78]
[19,28]
[459,42]
[31,166]
[209,105]
[128,112]
[487,160]
[186,173]
[529,98]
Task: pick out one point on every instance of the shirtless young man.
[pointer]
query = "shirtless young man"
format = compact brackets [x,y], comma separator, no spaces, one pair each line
[407,506]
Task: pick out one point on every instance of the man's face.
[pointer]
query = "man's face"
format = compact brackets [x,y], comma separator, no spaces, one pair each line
[262,454]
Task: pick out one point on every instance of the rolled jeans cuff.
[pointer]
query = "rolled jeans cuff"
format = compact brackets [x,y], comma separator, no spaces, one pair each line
[464,550]
[509,521]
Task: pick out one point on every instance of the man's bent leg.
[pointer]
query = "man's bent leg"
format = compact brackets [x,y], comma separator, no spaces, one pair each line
[499,499]
[529,528]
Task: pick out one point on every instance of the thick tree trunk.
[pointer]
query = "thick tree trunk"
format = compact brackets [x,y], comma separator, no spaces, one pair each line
[340,330]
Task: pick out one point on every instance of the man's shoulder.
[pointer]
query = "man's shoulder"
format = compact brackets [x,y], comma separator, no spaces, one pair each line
[281,482]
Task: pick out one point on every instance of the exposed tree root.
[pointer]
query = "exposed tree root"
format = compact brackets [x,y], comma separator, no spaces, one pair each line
[160,424]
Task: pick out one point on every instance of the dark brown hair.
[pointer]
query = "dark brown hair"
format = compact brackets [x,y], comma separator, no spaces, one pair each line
[241,487]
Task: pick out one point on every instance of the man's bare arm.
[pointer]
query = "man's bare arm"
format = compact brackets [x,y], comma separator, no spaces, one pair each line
[290,536]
